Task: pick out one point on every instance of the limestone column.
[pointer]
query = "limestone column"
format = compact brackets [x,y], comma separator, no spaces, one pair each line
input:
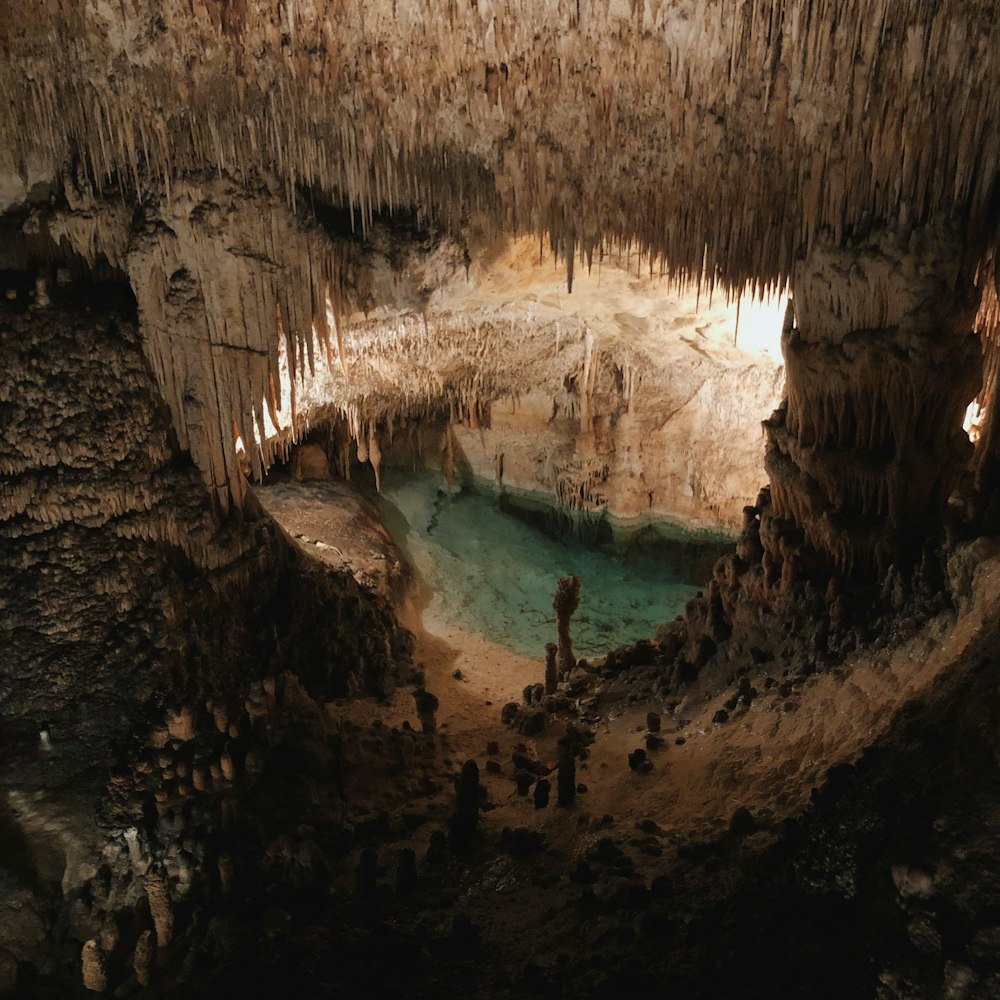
[881,362]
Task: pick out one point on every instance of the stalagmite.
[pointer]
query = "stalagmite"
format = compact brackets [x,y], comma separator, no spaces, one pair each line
[142,958]
[551,670]
[181,724]
[95,975]
[427,705]
[566,784]
[464,821]
[565,602]
[160,908]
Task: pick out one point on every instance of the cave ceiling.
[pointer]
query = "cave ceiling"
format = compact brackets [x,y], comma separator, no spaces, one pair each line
[720,140]
[722,134]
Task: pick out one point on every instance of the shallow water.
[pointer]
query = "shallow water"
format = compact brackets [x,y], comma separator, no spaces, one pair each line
[487,571]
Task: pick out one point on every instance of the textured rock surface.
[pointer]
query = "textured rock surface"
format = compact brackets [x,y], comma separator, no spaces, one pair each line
[881,362]
[336,525]
[725,142]
[205,152]
[240,302]
[122,594]
[111,553]
[629,395]
[680,441]
[722,137]
[229,284]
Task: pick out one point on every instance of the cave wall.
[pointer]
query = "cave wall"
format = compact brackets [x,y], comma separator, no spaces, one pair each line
[229,283]
[120,584]
[632,394]
[133,618]
[724,144]
[680,441]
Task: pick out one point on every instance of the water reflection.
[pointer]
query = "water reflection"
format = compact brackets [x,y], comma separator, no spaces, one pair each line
[489,570]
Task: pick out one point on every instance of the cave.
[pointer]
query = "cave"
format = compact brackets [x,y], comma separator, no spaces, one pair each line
[499,500]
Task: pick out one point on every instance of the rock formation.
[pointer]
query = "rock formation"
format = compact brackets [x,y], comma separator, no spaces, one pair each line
[815,184]
[8,974]
[881,364]
[463,822]
[566,782]
[551,668]
[234,234]
[565,602]
[551,126]
[142,958]
[309,462]
[107,533]
[95,976]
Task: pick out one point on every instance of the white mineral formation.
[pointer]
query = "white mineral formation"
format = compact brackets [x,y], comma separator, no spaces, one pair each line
[710,142]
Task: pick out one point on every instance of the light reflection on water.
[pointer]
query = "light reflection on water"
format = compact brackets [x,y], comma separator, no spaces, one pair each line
[490,572]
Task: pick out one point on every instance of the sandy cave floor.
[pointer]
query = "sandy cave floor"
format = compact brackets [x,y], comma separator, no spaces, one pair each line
[770,761]
[768,757]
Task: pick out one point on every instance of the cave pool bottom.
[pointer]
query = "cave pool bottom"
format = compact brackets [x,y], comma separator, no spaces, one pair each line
[489,562]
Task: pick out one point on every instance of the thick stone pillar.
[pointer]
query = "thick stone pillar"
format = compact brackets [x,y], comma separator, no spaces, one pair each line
[881,363]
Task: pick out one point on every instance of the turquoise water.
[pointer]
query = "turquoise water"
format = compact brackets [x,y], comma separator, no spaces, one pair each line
[488,571]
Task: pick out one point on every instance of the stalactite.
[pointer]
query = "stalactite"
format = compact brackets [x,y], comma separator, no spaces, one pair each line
[375,456]
[228,284]
[586,382]
[987,457]
[718,143]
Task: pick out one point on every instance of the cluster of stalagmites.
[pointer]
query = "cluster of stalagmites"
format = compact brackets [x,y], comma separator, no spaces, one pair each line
[761,629]
[119,578]
[604,880]
[172,803]
[194,851]
[193,807]
[204,778]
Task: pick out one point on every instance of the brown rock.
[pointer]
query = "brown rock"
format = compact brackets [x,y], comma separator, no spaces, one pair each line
[95,975]
[310,462]
[142,957]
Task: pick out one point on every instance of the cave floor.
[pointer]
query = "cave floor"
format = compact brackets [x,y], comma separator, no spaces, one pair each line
[768,758]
